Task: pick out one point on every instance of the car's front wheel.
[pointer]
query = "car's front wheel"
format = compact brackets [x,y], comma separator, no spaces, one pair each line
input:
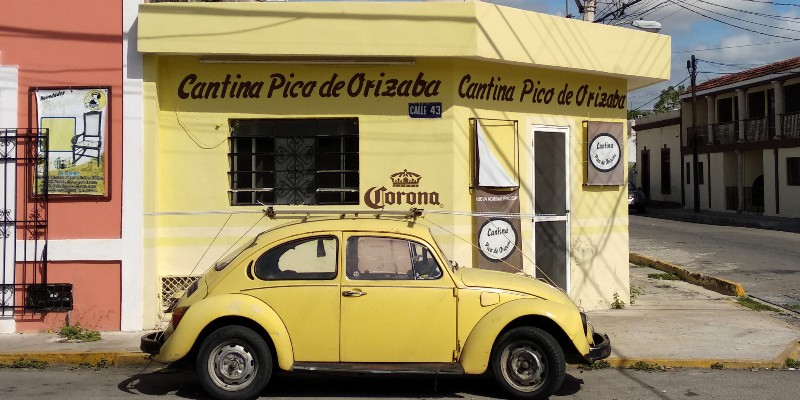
[234,363]
[528,363]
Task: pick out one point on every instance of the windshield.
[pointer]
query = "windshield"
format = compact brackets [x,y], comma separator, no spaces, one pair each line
[224,261]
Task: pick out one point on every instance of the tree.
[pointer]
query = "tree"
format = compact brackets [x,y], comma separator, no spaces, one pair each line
[635,114]
[669,99]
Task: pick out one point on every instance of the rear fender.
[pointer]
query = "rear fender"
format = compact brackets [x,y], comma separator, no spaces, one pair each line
[478,346]
[206,311]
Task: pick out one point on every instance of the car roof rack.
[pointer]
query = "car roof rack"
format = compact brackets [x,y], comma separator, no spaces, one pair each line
[272,213]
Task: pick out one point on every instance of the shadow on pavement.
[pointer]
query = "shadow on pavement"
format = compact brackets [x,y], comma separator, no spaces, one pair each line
[181,382]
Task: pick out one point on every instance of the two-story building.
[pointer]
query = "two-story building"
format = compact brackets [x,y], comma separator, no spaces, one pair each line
[746,133]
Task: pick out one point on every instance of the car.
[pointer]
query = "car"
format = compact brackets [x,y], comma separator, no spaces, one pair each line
[367,294]
[636,199]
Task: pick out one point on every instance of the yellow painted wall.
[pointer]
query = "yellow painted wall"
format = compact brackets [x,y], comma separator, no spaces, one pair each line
[556,72]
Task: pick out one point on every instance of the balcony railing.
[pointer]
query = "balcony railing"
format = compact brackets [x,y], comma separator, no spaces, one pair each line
[726,133]
[756,129]
[791,126]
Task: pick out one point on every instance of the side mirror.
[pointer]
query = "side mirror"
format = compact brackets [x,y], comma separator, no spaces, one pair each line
[454,265]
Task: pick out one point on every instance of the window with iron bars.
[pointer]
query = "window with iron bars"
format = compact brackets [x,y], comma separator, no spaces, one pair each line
[293,161]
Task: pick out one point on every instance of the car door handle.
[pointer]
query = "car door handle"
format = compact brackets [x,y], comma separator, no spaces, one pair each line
[353,293]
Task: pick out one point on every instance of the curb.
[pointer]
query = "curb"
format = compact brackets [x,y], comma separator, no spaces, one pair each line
[715,284]
[117,359]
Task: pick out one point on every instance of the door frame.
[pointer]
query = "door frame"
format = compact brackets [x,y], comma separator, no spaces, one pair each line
[565,130]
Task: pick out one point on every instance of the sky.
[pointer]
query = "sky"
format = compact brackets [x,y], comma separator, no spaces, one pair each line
[764,32]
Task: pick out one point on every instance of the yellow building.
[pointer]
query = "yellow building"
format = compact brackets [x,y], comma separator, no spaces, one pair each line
[484,116]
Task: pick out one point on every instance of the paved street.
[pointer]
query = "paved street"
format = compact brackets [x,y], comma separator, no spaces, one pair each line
[764,261]
[123,383]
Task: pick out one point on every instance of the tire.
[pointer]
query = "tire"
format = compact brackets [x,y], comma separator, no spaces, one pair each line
[234,363]
[528,363]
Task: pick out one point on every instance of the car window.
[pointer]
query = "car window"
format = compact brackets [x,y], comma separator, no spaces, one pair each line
[308,258]
[380,258]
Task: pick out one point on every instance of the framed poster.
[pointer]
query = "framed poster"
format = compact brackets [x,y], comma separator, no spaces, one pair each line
[604,150]
[76,120]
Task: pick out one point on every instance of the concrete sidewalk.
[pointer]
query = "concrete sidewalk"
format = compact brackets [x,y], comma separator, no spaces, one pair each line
[669,323]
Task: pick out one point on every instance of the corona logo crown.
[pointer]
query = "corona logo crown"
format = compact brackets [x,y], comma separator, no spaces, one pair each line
[405,179]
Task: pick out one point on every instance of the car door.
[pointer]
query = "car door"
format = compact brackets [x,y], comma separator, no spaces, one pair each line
[298,278]
[398,304]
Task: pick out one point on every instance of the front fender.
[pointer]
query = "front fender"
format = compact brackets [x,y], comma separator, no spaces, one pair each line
[205,311]
[478,346]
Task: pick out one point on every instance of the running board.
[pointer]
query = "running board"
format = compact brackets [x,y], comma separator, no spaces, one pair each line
[382,368]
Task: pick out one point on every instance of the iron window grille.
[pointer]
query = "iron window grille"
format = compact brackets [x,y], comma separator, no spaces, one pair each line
[293,161]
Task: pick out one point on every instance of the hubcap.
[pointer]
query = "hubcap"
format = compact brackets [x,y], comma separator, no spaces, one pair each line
[523,366]
[232,366]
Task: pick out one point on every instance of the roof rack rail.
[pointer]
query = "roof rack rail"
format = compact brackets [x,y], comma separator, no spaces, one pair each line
[413,213]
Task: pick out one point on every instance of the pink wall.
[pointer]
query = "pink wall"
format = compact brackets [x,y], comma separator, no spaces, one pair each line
[71,43]
[96,300]
[57,43]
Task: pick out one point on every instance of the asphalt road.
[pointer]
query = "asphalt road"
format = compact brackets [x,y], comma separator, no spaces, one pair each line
[766,262]
[608,384]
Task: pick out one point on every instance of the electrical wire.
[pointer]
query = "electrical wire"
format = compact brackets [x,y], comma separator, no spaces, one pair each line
[730,24]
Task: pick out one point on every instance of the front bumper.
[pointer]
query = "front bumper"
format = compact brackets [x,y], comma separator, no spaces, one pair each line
[151,343]
[601,348]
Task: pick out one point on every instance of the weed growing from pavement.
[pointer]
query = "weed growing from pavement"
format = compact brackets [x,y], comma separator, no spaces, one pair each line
[666,276]
[792,363]
[102,364]
[635,292]
[717,365]
[646,366]
[77,333]
[617,304]
[602,364]
[25,363]
[754,305]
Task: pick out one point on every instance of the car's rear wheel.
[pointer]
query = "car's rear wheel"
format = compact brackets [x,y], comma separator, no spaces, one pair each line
[528,363]
[234,363]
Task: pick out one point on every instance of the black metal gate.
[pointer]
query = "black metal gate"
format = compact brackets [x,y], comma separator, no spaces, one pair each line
[23,176]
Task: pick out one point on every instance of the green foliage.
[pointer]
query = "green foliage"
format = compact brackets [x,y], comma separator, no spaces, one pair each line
[634,114]
[635,292]
[103,363]
[646,366]
[669,99]
[666,276]
[754,305]
[25,363]
[77,333]
[792,363]
[601,364]
[617,304]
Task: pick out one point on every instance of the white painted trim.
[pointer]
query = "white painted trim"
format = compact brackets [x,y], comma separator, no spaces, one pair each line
[9,92]
[132,243]
[565,130]
[71,250]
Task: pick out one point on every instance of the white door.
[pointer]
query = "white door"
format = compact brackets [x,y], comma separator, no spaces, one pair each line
[550,193]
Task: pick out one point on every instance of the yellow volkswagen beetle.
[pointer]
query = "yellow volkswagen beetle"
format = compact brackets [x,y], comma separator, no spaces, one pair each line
[369,295]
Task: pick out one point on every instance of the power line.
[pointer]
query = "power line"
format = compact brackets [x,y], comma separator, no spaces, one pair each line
[733,47]
[744,20]
[730,24]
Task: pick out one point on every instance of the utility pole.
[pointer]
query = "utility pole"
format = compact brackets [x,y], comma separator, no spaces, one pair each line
[691,65]
[588,10]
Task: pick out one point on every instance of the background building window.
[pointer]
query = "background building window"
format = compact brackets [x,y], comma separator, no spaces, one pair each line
[688,173]
[793,171]
[700,180]
[294,161]
[666,179]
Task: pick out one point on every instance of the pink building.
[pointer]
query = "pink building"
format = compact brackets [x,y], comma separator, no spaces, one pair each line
[61,68]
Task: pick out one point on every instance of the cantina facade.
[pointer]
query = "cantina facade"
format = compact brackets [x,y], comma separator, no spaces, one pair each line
[507,127]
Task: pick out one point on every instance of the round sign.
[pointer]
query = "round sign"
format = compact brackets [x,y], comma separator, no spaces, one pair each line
[497,239]
[604,152]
